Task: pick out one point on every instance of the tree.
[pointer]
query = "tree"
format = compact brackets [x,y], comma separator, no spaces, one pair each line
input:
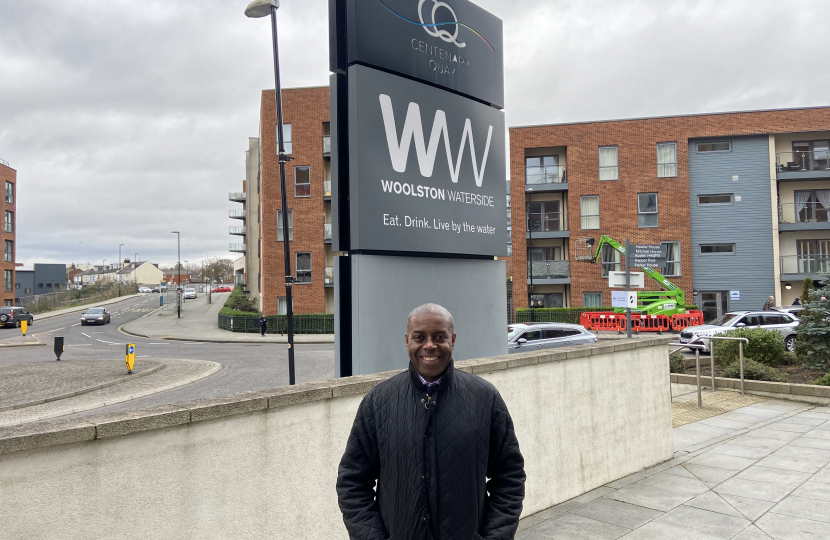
[220,269]
[813,343]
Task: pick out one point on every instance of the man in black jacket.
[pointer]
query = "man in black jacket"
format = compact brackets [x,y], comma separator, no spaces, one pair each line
[430,438]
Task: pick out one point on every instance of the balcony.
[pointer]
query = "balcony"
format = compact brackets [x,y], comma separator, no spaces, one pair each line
[546,178]
[327,188]
[807,216]
[237,214]
[327,232]
[798,267]
[547,225]
[237,230]
[803,165]
[237,248]
[237,197]
[326,145]
[549,272]
[328,276]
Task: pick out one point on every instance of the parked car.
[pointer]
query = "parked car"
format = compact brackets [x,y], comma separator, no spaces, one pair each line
[534,336]
[144,290]
[795,311]
[783,323]
[156,289]
[221,288]
[12,316]
[189,293]
[95,315]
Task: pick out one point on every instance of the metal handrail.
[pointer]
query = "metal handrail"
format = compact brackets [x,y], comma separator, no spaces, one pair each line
[696,347]
[742,340]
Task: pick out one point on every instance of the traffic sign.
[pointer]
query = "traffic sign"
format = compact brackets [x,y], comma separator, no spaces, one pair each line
[623,299]
[648,255]
[130,357]
[616,280]
[24,325]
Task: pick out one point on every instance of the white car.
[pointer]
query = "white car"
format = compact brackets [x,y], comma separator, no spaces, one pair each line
[783,323]
[189,293]
[144,290]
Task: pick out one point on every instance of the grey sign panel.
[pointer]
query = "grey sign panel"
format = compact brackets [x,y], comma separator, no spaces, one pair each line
[426,169]
[648,255]
[454,43]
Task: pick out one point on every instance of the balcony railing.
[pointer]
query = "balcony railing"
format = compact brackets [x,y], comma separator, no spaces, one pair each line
[549,269]
[552,174]
[237,230]
[815,160]
[326,144]
[327,188]
[236,214]
[805,264]
[237,197]
[328,275]
[809,212]
[547,221]
[326,231]
[237,248]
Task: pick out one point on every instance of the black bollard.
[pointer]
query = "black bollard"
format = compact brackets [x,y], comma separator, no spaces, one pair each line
[58,347]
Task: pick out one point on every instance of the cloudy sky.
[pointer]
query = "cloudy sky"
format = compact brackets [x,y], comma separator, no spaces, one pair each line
[126,120]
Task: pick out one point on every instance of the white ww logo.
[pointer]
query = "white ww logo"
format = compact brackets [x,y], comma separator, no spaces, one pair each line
[413,129]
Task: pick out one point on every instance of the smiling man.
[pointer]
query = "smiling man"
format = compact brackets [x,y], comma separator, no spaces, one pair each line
[423,446]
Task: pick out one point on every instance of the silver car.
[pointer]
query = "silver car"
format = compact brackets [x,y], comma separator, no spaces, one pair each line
[189,293]
[783,323]
[535,336]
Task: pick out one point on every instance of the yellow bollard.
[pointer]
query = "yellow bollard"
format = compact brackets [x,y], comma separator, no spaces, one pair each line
[130,358]
[24,325]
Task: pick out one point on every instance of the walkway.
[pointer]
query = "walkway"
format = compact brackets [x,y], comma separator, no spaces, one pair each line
[199,322]
[760,471]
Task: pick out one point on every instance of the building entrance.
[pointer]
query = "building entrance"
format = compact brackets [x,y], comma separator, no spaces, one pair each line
[713,304]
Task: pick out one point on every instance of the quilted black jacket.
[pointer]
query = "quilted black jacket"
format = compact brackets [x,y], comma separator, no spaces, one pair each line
[431,456]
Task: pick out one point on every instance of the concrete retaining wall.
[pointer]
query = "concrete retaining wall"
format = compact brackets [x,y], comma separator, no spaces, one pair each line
[806,393]
[263,464]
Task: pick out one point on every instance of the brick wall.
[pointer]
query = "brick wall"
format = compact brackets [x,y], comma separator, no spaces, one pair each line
[637,140]
[7,174]
[306,109]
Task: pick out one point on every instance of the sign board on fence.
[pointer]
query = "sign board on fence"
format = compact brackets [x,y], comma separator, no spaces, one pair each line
[616,280]
[624,299]
[648,255]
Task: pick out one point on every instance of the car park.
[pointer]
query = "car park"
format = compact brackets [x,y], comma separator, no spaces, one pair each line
[189,294]
[144,290]
[95,316]
[783,323]
[525,337]
[12,316]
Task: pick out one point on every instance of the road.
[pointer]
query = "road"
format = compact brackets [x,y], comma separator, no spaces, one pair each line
[244,366]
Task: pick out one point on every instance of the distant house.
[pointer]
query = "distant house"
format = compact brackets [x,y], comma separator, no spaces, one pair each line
[142,273]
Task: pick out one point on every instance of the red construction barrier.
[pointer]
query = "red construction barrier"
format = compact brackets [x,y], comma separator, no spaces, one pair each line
[651,323]
[598,320]
[690,318]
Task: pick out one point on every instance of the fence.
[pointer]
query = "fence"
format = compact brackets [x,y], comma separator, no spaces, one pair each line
[277,324]
[42,303]
[565,315]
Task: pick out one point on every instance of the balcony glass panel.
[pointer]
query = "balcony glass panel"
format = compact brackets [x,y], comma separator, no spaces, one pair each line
[237,230]
[326,144]
[327,188]
[804,212]
[805,264]
[549,269]
[328,275]
[326,231]
[547,221]
[237,248]
[236,214]
[815,159]
[237,196]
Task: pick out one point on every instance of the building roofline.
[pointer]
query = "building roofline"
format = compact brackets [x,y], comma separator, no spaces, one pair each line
[671,116]
[297,88]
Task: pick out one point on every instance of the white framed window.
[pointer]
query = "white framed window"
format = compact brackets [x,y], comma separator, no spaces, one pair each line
[589,211]
[672,266]
[609,163]
[592,299]
[9,222]
[303,265]
[282,305]
[705,147]
[302,181]
[666,160]
[543,170]
[717,249]
[290,225]
[610,260]
[722,198]
[286,132]
[7,281]
[8,255]
[9,192]
[647,209]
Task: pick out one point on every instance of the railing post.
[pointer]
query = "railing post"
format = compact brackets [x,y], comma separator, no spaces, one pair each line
[712,358]
[741,357]
[697,363]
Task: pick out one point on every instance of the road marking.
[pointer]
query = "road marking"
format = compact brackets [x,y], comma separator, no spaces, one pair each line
[87,335]
[80,345]
[79,324]
[159,343]
[109,342]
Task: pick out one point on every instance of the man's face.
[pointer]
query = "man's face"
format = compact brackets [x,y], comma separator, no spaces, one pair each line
[430,342]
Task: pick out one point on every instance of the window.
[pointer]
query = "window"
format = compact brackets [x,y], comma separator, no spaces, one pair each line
[9,192]
[610,260]
[40,285]
[303,268]
[714,147]
[17,285]
[48,285]
[608,163]
[302,182]
[672,266]
[725,198]
[9,221]
[812,206]
[8,302]
[9,252]
[28,290]
[647,209]
[290,225]
[666,160]
[544,216]
[592,299]
[286,132]
[543,170]
[548,300]
[589,211]
[282,305]
[7,280]
[717,249]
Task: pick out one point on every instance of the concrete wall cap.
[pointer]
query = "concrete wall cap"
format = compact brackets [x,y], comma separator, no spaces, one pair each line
[301,393]
[118,424]
[357,384]
[217,407]
[44,433]
[625,346]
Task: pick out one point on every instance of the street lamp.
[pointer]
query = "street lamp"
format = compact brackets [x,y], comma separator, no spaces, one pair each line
[255,10]
[120,266]
[530,253]
[179,262]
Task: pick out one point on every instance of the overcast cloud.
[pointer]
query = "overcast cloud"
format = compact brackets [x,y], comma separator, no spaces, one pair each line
[127,120]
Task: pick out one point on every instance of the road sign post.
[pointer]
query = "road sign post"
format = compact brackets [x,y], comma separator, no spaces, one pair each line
[24,325]
[130,358]
[58,347]
[627,288]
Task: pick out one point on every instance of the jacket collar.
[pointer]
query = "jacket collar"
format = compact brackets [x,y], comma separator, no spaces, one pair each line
[446,377]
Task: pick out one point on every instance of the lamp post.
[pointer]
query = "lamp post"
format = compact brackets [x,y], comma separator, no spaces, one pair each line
[179,270]
[257,9]
[530,256]
[120,266]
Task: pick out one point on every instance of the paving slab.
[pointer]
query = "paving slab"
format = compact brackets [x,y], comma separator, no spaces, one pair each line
[574,527]
[714,524]
[814,490]
[754,490]
[617,513]
[713,502]
[706,474]
[783,527]
[814,509]
[792,464]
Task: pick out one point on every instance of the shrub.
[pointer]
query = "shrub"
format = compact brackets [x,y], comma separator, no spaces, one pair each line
[790,359]
[754,371]
[677,363]
[813,343]
[823,381]
[765,346]
[239,304]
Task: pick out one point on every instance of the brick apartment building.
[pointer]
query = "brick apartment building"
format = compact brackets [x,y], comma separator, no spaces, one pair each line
[8,178]
[741,199]
[308,181]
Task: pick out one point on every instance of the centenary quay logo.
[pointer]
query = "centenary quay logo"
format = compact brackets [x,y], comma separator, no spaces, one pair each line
[432,28]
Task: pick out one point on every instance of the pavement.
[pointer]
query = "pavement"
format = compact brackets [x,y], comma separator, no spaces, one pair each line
[199,322]
[758,472]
